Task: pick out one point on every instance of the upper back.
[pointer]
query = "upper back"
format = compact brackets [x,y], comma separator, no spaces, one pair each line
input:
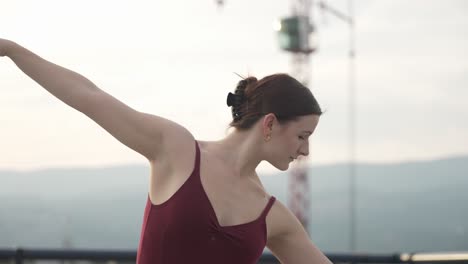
[234,202]
[203,225]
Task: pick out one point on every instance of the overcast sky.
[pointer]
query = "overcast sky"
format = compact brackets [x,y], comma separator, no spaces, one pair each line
[176,59]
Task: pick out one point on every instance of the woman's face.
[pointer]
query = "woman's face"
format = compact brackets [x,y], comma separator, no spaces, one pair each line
[291,140]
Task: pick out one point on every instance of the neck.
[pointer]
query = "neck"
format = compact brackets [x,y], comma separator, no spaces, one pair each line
[240,150]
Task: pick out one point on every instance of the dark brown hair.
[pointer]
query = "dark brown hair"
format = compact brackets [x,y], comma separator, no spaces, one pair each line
[279,94]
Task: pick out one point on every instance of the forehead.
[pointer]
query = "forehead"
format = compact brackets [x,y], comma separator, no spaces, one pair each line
[305,123]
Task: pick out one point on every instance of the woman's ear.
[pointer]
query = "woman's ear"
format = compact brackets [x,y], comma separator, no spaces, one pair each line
[268,122]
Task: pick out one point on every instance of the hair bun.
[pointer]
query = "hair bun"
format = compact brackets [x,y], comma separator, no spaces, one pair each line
[239,96]
[242,84]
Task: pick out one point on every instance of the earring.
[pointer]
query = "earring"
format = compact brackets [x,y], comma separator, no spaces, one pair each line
[267,138]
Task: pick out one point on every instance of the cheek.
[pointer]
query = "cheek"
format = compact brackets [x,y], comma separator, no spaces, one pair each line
[294,144]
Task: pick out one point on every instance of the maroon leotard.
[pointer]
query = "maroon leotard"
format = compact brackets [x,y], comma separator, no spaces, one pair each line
[185,229]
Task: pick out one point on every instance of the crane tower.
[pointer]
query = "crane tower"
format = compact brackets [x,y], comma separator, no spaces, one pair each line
[295,35]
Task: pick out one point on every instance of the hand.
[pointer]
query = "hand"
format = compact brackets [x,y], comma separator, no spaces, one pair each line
[4,45]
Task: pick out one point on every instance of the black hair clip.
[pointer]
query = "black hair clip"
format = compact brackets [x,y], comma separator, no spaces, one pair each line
[234,99]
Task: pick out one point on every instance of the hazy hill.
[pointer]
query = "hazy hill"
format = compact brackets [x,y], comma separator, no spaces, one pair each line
[413,206]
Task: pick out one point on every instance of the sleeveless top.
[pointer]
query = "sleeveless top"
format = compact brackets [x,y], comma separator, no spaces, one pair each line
[184,229]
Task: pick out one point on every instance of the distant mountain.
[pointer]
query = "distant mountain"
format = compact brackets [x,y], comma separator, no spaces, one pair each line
[403,207]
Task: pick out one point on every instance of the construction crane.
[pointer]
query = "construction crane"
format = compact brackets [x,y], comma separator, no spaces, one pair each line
[219,3]
[296,35]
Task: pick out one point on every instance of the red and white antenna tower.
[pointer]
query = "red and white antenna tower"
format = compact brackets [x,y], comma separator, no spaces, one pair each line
[295,35]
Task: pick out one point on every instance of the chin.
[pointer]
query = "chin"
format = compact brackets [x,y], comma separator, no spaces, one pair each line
[281,167]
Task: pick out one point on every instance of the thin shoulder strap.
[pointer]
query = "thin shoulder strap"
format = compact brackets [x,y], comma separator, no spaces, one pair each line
[268,206]
[197,157]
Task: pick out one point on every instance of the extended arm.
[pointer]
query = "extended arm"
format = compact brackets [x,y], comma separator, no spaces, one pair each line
[141,132]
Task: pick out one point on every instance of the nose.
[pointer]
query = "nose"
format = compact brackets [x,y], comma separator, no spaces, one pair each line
[304,150]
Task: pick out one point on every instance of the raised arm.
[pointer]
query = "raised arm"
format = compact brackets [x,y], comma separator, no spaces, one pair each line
[147,134]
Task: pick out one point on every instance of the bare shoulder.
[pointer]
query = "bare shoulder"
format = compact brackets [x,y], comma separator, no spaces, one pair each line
[279,219]
[288,240]
[178,145]
[175,163]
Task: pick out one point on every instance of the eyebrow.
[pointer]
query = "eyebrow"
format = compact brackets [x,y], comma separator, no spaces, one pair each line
[307,131]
